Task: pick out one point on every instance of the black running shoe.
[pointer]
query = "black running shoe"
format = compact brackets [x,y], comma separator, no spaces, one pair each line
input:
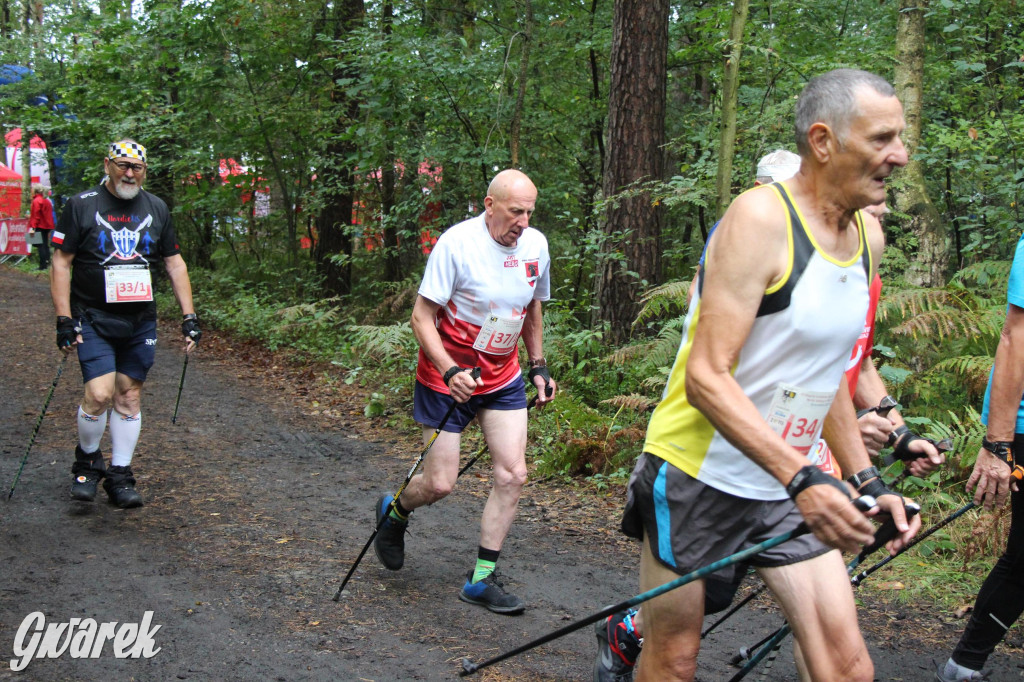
[389,545]
[617,648]
[119,483]
[491,594]
[88,469]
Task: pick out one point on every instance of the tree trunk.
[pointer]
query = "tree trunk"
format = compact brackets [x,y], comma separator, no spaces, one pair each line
[26,171]
[929,265]
[730,86]
[631,257]
[524,65]
[336,178]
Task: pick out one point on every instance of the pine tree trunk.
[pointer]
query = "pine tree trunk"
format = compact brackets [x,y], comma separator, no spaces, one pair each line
[929,265]
[730,87]
[631,257]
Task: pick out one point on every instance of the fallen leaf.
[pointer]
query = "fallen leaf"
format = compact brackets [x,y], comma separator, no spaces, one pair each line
[891,585]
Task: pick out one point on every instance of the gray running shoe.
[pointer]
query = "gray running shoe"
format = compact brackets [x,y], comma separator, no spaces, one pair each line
[490,593]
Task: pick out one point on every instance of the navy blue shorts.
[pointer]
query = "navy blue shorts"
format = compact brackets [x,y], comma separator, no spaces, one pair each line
[132,356]
[429,406]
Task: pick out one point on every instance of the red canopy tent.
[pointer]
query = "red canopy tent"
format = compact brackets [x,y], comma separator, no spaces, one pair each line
[10,193]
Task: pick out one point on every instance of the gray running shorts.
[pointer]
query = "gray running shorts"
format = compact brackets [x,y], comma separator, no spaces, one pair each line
[690,524]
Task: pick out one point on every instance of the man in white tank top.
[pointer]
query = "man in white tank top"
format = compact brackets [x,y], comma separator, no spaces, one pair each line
[758,377]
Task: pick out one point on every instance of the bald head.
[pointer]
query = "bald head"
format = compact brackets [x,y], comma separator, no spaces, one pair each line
[510,201]
[508,182]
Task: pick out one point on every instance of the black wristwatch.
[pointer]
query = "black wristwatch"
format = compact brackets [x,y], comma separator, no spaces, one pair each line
[862,477]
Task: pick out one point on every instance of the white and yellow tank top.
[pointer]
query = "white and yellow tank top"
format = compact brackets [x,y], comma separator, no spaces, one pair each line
[790,365]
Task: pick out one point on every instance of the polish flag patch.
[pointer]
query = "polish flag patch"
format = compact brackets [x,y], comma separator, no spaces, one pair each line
[58,237]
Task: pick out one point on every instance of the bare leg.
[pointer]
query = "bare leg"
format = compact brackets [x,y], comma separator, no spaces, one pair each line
[817,599]
[438,474]
[505,432]
[672,624]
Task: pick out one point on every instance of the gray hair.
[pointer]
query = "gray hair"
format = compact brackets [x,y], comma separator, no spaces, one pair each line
[831,98]
[777,166]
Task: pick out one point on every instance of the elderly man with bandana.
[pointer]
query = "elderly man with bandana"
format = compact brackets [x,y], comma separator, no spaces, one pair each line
[108,239]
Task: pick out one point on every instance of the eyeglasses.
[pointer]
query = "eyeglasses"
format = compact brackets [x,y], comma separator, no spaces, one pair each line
[125,166]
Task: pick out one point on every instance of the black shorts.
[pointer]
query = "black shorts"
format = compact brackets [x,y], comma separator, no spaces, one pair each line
[132,356]
[430,406]
[689,524]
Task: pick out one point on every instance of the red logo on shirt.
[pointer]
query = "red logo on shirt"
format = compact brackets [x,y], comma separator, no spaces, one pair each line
[532,271]
[511,262]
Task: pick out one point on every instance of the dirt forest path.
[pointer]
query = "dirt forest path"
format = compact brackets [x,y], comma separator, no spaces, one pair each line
[257,502]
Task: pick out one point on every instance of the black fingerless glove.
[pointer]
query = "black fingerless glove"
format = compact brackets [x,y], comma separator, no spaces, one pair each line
[876,488]
[812,475]
[190,327]
[542,372]
[67,332]
[901,438]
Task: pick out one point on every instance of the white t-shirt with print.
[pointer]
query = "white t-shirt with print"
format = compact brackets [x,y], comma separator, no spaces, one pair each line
[483,289]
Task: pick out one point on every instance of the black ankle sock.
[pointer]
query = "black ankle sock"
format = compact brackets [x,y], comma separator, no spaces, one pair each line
[485,554]
[402,511]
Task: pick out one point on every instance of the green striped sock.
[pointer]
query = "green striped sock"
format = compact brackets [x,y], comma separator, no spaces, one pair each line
[483,569]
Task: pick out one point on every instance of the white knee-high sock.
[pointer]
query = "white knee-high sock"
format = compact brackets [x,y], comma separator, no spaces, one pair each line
[124,434]
[90,429]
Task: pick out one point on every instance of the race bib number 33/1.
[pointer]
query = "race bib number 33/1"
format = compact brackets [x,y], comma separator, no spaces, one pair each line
[797,415]
[128,283]
[498,335]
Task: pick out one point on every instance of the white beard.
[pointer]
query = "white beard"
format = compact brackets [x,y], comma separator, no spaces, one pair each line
[127,191]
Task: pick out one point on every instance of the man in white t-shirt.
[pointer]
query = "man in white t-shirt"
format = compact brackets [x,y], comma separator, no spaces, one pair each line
[481,292]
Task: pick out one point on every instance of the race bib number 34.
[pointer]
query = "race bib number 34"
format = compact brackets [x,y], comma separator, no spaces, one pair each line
[498,336]
[797,415]
[127,283]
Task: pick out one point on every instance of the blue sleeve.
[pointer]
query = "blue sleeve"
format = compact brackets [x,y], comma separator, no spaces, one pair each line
[1015,289]
[1014,296]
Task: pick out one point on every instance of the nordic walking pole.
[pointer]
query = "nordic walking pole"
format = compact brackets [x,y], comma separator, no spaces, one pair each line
[483,448]
[415,465]
[884,534]
[1018,473]
[39,422]
[181,383]
[468,667]
[743,602]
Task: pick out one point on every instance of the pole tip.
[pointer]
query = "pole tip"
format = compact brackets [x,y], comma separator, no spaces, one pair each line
[468,667]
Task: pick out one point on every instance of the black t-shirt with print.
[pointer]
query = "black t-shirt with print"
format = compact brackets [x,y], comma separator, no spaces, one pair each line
[103,230]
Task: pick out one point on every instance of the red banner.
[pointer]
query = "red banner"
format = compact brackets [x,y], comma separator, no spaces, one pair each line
[12,236]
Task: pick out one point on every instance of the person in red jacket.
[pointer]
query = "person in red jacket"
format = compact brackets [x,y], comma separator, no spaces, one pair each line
[40,218]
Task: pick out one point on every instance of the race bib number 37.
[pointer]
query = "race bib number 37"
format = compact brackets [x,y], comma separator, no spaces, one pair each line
[128,283]
[498,336]
[797,415]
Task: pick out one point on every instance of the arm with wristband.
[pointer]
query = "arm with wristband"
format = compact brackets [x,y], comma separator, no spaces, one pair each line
[841,434]
[459,380]
[533,339]
[177,272]
[992,478]
[921,455]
